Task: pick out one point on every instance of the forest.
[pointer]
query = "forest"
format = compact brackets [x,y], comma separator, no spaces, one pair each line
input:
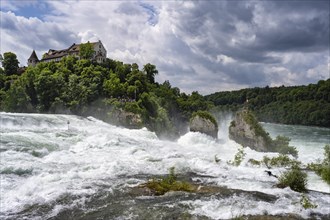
[301,105]
[105,91]
[86,88]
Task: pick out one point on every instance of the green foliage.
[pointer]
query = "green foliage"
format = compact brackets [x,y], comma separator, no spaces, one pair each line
[281,145]
[73,85]
[239,157]
[150,71]
[280,161]
[169,183]
[206,115]
[322,169]
[10,63]
[294,178]
[253,122]
[16,98]
[305,105]
[306,203]
[86,51]
[193,103]
[254,162]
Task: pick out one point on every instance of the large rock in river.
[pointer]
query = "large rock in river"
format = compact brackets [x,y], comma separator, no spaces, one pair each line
[247,131]
[204,122]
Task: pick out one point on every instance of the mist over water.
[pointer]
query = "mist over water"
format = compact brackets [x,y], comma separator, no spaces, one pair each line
[49,167]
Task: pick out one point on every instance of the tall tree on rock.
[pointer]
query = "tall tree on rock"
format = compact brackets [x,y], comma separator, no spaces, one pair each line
[10,63]
[86,51]
[150,71]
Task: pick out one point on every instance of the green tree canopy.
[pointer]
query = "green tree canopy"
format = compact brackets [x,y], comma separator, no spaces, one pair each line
[10,63]
[150,71]
[86,51]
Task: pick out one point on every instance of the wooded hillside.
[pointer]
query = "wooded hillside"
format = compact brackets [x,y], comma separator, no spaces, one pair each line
[304,105]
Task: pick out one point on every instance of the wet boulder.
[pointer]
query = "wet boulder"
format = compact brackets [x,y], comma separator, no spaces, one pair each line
[205,123]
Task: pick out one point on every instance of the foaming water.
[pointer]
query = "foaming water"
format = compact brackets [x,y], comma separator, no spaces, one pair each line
[49,166]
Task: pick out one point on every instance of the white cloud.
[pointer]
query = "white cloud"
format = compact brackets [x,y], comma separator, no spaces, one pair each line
[195,45]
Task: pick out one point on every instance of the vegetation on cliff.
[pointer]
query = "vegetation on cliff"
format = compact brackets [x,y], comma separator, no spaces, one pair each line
[102,90]
[247,131]
[305,105]
[206,115]
[204,122]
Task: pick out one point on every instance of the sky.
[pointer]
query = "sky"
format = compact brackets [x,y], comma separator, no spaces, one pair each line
[204,46]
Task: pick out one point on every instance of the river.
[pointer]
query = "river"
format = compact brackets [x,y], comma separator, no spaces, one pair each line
[69,167]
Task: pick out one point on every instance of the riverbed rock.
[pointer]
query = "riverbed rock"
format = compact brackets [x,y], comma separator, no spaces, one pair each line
[246,131]
[205,124]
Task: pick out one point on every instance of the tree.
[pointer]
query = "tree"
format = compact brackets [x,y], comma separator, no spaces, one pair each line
[17,100]
[150,71]
[10,63]
[86,51]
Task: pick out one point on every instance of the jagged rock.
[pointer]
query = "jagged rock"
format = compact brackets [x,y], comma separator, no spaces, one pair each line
[246,130]
[205,123]
[126,119]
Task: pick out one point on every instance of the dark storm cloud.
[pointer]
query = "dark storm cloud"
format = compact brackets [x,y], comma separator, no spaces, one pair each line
[252,32]
[301,26]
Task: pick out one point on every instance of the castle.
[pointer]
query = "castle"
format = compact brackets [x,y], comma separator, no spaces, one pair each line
[99,55]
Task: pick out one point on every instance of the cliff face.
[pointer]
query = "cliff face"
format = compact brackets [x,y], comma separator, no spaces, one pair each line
[204,125]
[127,119]
[246,130]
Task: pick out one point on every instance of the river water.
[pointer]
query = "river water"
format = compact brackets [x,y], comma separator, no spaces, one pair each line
[86,169]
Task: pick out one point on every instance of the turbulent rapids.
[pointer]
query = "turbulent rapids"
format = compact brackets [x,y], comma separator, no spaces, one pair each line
[87,169]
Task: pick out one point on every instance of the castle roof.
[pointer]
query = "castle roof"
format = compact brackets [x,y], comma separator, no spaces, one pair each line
[74,48]
[33,56]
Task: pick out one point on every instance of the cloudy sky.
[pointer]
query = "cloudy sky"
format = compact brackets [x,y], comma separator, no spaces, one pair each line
[204,45]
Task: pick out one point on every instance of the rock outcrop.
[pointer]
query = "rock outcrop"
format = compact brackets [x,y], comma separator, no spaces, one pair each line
[205,123]
[246,130]
[126,119]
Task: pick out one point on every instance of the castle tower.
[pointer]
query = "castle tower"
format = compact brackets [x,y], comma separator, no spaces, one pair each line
[33,60]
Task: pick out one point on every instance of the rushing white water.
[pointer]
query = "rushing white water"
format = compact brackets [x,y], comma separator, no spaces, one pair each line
[44,160]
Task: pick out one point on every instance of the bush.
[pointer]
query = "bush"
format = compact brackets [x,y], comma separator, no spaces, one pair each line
[254,162]
[169,183]
[306,203]
[283,161]
[239,157]
[279,161]
[294,178]
[322,169]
